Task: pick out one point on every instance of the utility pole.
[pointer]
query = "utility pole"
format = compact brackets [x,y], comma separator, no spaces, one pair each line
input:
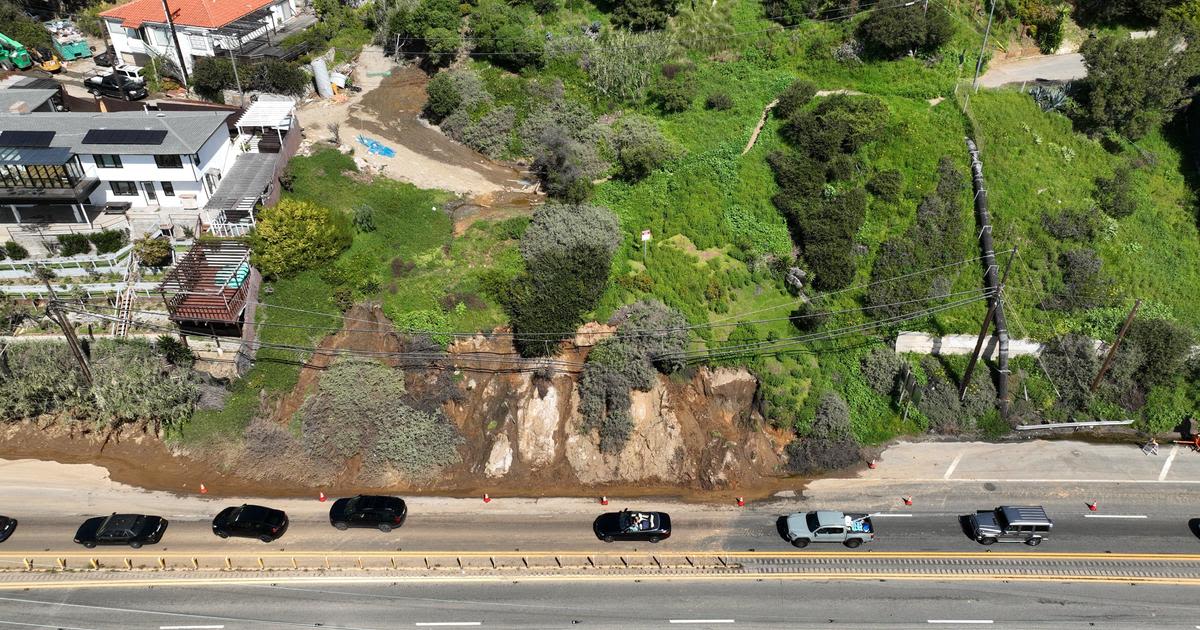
[978,62]
[1112,352]
[178,48]
[242,95]
[987,322]
[55,312]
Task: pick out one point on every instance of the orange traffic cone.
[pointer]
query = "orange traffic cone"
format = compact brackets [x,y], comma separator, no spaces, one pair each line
[603,500]
[741,502]
[1092,506]
[872,465]
[907,500]
[486,498]
[321,497]
[203,490]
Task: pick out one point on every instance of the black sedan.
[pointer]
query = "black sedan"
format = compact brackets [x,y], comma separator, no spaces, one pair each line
[382,513]
[250,521]
[7,527]
[134,530]
[630,525]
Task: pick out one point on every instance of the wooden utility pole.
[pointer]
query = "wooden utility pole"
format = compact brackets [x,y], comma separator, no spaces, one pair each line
[1112,352]
[55,312]
[983,48]
[987,322]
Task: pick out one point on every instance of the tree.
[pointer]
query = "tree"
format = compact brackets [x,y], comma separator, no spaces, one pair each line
[641,148]
[501,32]
[294,235]
[643,15]
[901,28]
[1133,84]
[1136,12]
[567,251]
[153,252]
[211,76]
[794,98]
[1165,346]
[557,167]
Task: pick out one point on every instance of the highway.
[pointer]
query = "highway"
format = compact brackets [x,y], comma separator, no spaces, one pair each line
[763,604]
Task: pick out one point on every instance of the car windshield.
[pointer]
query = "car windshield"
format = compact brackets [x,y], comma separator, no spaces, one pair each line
[249,514]
[122,523]
[813,523]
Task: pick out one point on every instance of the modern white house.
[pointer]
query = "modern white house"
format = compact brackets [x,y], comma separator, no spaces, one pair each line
[206,28]
[78,171]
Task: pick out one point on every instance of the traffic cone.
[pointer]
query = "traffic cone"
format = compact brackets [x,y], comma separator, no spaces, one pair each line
[603,500]
[321,496]
[486,498]
[872,465]
[1092,506]
[203,490]
[741,502]
[907,500]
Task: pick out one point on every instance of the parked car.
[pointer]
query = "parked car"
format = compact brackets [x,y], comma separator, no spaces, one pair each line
[828,526]
[134,530]
[115,86]
[1027,524]
[382,513]
[7,527]
[130,72]
[250,521]
[632,525]
[105,59]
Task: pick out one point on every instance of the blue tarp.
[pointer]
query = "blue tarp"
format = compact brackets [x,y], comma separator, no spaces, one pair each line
[374,146]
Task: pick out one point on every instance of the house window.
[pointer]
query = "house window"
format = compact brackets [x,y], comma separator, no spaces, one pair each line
[168,161]
[168,189]
[107,161]
[134,33]
[124,189]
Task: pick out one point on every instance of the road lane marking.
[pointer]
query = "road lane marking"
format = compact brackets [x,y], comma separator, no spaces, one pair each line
[700,621]
[896,514]
[960,621]
[953,465]
[1115,516]
[432,624]
[1162,474]
[190,627]
[42,625]
[141,611]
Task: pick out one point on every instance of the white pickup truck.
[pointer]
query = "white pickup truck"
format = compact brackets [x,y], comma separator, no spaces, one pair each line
[829,526]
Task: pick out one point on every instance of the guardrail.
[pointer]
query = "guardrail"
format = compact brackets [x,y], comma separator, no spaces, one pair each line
[81,265]
[38,291]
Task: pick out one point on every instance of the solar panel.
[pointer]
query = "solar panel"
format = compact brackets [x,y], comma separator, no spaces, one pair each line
[26,138]
[125,136]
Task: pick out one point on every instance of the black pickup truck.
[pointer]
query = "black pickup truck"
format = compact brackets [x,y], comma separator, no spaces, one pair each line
[115,86]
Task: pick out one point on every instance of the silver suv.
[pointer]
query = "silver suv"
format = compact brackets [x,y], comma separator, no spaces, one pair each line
[1027,524]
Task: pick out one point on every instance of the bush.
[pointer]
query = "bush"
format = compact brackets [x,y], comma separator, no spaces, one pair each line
[557,166]
[109,241]
[839,124]
[719,101]
[656,330]
[1066,225]
[880,368]
[887,185]
[643,15]
[73,244]
[1084,286]
[1115,195]
[501,32]
[212,75]
[795,98]
[604,402]
[901,29]
[674,95]
[174,351]
[641,148]
[153,252]
[832,419]
[364,218]
[443,97]
[567,251]
[1133,84]
[1165,346]
[1167,406]
[491,134]
[808,318]
[811,455]
[1071,363]
[15,250]
[295,235]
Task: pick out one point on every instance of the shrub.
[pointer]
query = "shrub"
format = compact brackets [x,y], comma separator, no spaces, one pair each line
[1115,195]
[491,134]
[880,368]
[887,185]
[73,244]
[641,148]
[1165,346]
[656,330]
[622,65]
[643,15]
[15,250]
[808,318]
[501,32]
[1071,363]
[277,77]
[791,12]
[1067,224]
[443,97]
[901,29]
[674,95]
[109,241]
[567,251]
[841,167]
[153,252]
[810,455]
[174,351]
[794,98]
[719,101]
[1167,406]
[832,419]
[1132,84]
[604,402]
[939,403]
[1084,286]
[840,123]
[294,235]
[364,218]
[557,167]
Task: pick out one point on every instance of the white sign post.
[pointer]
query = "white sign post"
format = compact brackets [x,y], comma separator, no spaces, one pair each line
[646,236]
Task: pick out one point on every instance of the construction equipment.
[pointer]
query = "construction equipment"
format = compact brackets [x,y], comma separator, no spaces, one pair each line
[13,54]
[69,42]
[45,59]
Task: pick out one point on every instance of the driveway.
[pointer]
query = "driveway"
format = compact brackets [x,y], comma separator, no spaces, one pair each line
[1067,67]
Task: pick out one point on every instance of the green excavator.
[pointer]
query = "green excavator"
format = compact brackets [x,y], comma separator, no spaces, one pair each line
[13,54]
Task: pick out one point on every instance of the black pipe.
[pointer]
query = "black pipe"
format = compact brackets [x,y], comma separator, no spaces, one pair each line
[991,277]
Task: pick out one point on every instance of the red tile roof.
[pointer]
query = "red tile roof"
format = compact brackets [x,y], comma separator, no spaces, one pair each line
[202,13]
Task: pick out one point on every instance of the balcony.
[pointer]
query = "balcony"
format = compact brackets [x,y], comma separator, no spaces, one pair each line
[210,284]
[43,176]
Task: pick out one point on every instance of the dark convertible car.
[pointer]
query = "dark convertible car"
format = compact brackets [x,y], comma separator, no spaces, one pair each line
[134,530]
[382,513]
[250,521]
[7,527]
[632,525]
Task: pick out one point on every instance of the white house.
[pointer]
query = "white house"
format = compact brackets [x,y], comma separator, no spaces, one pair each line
[157,168]
[139,30]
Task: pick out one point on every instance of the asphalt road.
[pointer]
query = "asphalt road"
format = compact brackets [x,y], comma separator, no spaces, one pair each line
[1067,67]
[1170,530]
[683,604]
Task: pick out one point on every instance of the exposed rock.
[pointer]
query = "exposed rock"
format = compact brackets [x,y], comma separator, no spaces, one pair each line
[501,457]
[538,420]
[655,450]
[593,333]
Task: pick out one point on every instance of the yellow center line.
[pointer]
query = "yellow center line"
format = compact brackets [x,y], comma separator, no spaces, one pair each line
[338,553]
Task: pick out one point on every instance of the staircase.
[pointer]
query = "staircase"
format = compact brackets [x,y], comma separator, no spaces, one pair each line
[125,301]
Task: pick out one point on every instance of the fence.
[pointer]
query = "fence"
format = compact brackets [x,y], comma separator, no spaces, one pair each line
[88,291]
[115,262]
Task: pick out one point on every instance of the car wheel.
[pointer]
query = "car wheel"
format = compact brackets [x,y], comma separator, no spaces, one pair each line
[265,538]
[385,528]
[853,543]
[800,543]
[341,526]
[221,534]
[89,545]
[608,539]
[1033,542]
[654,539]
[135,545]
[987,541]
